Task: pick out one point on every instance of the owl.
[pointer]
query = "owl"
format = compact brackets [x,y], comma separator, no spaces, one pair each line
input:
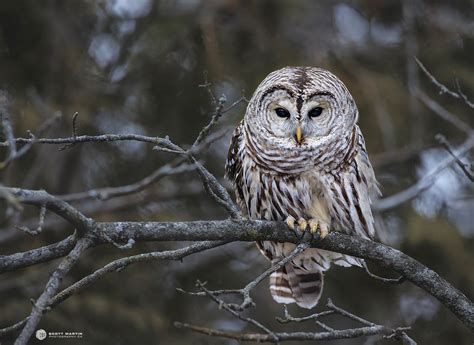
[298,156]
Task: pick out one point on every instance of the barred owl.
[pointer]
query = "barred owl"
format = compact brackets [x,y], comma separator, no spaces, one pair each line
[299,156]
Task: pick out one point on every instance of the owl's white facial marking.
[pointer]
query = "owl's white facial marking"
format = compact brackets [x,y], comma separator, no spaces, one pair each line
[281,116]
[317,117]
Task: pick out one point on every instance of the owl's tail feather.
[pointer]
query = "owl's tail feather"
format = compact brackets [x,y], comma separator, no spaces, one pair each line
[293,284]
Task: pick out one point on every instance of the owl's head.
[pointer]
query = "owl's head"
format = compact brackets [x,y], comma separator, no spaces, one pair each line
[300,109]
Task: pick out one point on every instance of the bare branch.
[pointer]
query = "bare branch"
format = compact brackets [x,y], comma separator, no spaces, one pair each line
[463,96]
[43,199]
[442,88]
[288,318]
[122,263]
[301,336]
[177,166]
[40,224]
[398,333]
[443,113]
[245,292]
[13,328]
[398,280]
[7,128]
[74,133]
[223,305]
[89,139]
[38,255]
[218,112]
[116,266]
[112,192]
[464,166]
[425,182]
[246,230]
[216,190]
[51,287]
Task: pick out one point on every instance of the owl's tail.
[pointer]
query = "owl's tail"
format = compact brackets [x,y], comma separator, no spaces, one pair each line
[293,284]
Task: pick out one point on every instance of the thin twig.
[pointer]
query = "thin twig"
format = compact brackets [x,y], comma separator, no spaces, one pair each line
[442,88]
[7,128]
[288,318]
[463,96]
[425,182]
[398,333]
[74,133]
[113,192]
[245,291]
[464,166]
[177,166]
[233,312]
[443,113]
[395,281]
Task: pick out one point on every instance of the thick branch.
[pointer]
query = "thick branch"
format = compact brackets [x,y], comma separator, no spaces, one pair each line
[231,230]
[246,230]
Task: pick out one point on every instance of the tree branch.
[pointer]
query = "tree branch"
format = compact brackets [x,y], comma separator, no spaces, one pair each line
[51,287]
[41,199]
[247,230]
[442,88]
[115,266]
[329,335]
[426,181]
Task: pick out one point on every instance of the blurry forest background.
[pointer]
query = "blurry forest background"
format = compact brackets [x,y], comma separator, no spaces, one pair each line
[134,66]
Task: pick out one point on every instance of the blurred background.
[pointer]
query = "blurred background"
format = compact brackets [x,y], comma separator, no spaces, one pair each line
[135,66]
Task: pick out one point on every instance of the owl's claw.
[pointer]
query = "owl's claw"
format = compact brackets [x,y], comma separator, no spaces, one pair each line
[315,225]
[302,224]
[294,225]
[324,230]
[290,221]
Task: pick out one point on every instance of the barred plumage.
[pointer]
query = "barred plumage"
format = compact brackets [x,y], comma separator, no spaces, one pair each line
[289,164]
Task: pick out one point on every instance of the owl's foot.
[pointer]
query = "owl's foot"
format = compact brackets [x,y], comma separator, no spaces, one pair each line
[315,225]
[302,224]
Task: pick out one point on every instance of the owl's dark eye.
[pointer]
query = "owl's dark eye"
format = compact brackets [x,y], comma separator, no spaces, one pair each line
[315,112]
[282,112]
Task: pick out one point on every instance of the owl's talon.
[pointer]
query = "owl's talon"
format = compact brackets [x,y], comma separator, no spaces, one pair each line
[323,230]
[316,225]
[302,224]
[290,221]
[313,226]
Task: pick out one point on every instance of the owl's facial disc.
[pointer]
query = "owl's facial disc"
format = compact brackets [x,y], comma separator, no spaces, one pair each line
[290,118]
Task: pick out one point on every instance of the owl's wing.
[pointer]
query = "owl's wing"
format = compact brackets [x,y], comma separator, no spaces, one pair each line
[353,193]
[366,167]
[234,162]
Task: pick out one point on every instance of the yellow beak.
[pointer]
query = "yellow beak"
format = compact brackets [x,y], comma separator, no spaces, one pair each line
[298,134]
